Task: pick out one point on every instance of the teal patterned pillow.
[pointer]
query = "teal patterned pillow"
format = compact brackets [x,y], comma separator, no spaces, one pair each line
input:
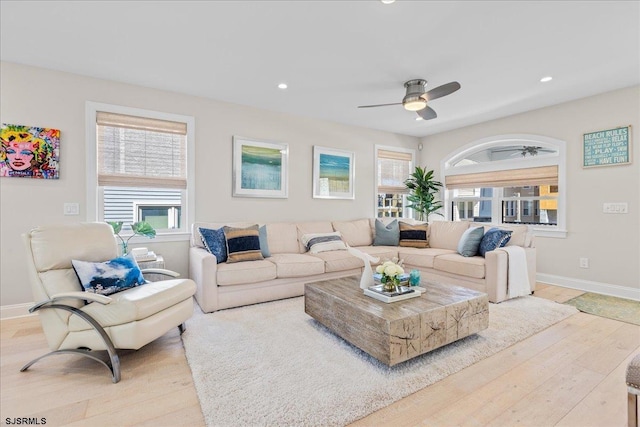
[215,242]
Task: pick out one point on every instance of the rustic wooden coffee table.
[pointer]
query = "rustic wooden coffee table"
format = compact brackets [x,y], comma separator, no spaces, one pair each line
[397,331]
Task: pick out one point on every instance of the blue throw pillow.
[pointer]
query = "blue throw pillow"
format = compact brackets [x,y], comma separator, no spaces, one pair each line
[215,242]
[470,241]
[106,278]
[264,244]
[387,235]
[494,238]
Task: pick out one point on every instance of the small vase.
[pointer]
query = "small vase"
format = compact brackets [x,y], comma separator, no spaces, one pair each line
[390,284]
[124,248]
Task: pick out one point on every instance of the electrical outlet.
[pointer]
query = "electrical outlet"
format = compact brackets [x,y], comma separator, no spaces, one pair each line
[72,209]
[584,262]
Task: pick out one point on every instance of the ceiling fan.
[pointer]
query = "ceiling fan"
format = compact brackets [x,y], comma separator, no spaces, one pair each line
[526,150]
[416,98]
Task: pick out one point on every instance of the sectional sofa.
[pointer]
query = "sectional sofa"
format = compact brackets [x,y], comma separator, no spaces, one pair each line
[289,266]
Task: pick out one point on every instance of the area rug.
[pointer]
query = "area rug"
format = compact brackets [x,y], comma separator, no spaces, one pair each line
[622,309]
[271,364]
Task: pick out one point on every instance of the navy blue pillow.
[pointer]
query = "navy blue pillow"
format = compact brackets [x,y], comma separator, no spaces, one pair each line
[494,238]
[106,278]
[215,242]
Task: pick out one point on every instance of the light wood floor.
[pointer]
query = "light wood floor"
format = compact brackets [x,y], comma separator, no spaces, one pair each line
[571,374]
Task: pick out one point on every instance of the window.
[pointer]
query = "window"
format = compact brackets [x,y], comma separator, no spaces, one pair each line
[138,163]
[512,179]
[393,167]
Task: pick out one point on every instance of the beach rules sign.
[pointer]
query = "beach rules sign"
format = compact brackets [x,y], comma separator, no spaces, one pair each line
[609,147]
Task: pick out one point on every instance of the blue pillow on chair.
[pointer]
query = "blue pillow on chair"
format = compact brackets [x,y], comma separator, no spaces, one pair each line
[106,278]
[215,242]
[494,238]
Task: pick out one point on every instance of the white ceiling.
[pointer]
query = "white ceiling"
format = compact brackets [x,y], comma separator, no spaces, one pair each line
[336,55]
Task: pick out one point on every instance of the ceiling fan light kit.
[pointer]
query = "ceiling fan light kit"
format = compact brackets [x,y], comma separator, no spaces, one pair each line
[416,98]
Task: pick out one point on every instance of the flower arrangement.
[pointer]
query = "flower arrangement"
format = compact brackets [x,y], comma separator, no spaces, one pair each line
[141,228]
[390,271]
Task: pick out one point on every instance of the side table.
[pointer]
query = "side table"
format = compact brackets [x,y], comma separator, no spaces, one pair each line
[158,263]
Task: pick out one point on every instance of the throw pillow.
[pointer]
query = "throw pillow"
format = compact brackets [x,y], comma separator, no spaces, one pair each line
[215,242]
[413,236]
[106,278]
[323,242]
[264,244]
[470,241]
[494,238]
[243,244]
[387,235]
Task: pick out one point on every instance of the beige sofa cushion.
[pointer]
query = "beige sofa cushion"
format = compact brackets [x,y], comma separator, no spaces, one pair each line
[339,261]
[297,265]
[385,253]
[421,257]
[355,233]
[446,234]
[239,273]
[311,228]
[464,266]
[282,238]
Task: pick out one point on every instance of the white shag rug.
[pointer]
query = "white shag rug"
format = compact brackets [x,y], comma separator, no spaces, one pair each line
[272,365]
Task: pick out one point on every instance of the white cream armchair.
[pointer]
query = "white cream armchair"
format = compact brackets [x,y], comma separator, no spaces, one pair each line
[83,323]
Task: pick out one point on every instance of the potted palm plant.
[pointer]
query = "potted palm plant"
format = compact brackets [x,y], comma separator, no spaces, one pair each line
[141,228]
[423,190]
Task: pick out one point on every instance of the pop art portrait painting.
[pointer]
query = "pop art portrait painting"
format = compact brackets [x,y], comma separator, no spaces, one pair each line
[29,151]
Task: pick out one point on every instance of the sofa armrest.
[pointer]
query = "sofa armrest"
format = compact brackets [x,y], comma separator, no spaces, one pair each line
[496,265]
[203,269]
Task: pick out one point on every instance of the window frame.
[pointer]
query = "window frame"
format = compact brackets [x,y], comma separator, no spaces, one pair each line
[558,159]
[94,197]
[412,152]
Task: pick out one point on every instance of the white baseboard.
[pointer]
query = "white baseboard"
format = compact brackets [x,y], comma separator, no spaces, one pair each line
[15,310]
[589,286]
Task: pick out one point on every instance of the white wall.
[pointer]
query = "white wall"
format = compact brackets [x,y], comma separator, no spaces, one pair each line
[611,242]
[39,97]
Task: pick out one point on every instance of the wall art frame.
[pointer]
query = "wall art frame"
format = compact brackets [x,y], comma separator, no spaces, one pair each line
[260,168]
[333,173]
[29,152]
[609,147]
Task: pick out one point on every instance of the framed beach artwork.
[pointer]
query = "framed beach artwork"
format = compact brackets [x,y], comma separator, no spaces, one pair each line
[260,168]
[333,173]
[29,151]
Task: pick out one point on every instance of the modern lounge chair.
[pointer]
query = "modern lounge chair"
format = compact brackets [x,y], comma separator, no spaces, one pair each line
[79,322]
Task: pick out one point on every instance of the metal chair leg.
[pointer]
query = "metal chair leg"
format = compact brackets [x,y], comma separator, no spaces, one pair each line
[182,327]
[113,364]
[632,409]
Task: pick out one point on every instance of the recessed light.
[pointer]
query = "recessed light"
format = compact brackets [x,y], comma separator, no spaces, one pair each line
[387,1]
[546,79]
[282,86]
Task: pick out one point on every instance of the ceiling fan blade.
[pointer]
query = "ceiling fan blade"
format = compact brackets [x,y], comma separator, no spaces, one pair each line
[379,105]
[441,91]
[427,113]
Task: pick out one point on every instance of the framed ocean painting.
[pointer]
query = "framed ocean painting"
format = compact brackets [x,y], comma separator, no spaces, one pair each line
[29,151]
[260,168]
[333,173]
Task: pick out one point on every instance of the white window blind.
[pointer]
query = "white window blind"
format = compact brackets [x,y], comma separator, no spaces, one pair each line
[394,167]
[545,175]
[141,152]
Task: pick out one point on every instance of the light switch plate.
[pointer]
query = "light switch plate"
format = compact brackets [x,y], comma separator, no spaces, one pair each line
[615,208]
[72,209]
